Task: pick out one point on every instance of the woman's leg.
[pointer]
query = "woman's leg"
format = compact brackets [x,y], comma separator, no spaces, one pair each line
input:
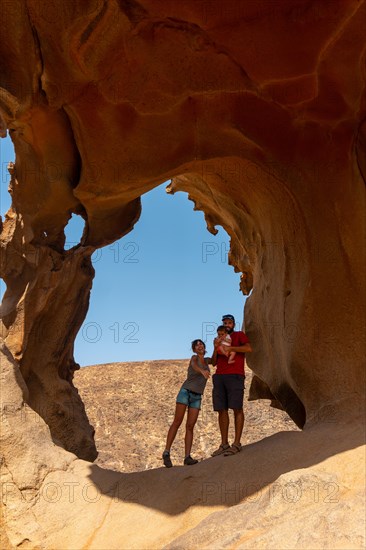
[191,421]
[180,409]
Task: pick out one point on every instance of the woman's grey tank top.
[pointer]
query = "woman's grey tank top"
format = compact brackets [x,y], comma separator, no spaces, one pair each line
[195,381]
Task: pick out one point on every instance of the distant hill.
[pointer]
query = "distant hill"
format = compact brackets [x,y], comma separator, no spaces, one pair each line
[131,406]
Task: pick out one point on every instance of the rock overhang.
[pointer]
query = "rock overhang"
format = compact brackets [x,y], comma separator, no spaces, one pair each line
[225,99]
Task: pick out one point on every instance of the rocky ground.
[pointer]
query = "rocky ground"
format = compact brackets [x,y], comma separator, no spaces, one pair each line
[291,489]
[134,405]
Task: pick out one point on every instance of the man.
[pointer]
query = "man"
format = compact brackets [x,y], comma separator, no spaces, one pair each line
[228,386]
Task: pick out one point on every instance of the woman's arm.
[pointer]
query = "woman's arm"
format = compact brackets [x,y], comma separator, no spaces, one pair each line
[217,343]
[197,368]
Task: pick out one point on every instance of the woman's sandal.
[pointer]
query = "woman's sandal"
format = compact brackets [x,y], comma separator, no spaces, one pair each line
[167,460]
[233,450]
[221,449]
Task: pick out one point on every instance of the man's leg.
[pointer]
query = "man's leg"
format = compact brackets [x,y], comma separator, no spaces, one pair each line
[235,387]
[219,398]
[239,424]
[224,425]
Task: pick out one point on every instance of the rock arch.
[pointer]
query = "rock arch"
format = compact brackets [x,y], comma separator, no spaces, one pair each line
[271,150]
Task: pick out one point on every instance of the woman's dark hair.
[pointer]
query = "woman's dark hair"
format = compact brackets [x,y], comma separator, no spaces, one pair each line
[195,342]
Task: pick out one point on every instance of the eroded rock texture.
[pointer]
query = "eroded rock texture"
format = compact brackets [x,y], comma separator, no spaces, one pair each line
[256,109]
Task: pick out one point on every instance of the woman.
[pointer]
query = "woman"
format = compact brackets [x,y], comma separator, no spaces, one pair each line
[190,395]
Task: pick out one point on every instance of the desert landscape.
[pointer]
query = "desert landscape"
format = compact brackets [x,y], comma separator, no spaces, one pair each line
[134,406]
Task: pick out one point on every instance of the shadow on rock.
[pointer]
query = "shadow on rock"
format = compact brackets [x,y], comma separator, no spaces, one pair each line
[226,481]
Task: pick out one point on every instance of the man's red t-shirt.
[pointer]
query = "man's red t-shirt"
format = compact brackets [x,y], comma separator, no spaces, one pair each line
[223,367]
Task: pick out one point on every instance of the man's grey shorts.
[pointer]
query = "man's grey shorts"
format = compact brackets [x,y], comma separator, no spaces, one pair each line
[228,391]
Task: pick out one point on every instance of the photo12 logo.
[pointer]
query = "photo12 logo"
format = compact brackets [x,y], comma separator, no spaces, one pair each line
[126,253]
[92,332]
[212,251]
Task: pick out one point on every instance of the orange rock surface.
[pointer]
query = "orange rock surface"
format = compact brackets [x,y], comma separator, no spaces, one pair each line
[257,110]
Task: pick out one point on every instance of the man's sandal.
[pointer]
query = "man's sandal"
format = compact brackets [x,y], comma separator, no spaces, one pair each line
[221,449]
[233,450]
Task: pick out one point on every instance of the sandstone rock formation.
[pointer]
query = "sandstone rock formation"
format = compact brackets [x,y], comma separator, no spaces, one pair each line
[257,110]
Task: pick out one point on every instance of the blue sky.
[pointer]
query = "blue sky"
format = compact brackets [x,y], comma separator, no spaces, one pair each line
[156,289]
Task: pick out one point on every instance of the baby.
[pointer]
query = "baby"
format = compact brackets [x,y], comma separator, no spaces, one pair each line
[225,341]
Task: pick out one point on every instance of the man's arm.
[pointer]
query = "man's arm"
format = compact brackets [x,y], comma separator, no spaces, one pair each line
[246,348]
